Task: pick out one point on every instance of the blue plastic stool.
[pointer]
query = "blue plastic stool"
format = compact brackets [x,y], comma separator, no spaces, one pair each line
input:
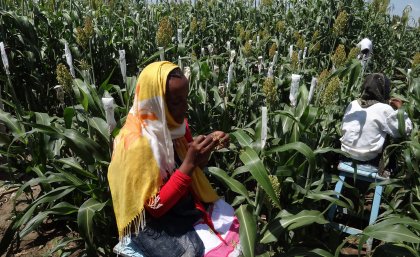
[127,248]
[366,173]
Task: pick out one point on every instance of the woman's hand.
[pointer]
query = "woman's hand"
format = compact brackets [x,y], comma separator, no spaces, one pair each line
[200,149]
[395,103]
[198,153]
[222,139]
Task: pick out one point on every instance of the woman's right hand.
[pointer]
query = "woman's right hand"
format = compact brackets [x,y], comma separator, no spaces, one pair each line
[395,103]
[198,153]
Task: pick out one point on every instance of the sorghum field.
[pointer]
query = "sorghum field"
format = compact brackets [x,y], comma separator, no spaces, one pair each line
[276,75]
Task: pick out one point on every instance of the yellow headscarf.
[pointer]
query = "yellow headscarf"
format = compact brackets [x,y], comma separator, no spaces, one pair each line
[143,151]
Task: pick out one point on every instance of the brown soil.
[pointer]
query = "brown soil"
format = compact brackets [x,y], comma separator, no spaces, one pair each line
[37,243]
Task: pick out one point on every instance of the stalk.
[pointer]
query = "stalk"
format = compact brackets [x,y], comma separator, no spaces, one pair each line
[5,61]
[91,62]
[259,194]
[19,111]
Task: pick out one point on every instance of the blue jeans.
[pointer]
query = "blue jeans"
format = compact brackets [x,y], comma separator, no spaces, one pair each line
[157,243]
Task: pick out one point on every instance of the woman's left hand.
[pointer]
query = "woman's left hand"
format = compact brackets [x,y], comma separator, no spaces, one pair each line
[219,139]
[222,138]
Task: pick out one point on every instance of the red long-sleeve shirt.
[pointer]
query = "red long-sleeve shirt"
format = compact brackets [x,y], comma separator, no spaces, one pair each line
[170,193]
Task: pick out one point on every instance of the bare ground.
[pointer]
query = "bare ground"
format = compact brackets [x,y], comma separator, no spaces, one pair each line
[37,243]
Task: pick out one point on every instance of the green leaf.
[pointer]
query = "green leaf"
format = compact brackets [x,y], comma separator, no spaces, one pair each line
[205,72]
[61,244]
[401,122]
[75,165]
[243,138]
[85,147]
[266,254]
[397,250]
[304,252]
[285,171]
[329,196]
[274,231]
[84,101]
[4,139]
[12,123]
[95,100]
[285,114]
[403,220]
[287,121]
[298,146]
[330,149]
[309,116]
[289,221]
[250,158]
[247,230]
[216,97]
[104,85]
[69,178]
[131,86]
[302,101]
[68,116]
[356,69]
[62,208]
[240,170]
[295,133]
[233,184]
[321,252]
[85,218]
[391,233]
[53,195]
[42,118]
[50,130]
[89,97]
[101,126]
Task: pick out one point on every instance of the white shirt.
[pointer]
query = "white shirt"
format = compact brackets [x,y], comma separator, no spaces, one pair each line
[364,129]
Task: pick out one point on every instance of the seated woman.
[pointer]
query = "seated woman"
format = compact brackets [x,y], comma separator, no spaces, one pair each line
[159,191]
[368,120]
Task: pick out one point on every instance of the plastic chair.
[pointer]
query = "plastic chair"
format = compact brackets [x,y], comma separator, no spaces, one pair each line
[366,173]
[127,248]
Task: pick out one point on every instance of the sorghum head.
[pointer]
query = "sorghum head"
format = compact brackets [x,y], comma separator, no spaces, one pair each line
[164,33]
[340,23]
[330,91]
[339,58]
[64,77]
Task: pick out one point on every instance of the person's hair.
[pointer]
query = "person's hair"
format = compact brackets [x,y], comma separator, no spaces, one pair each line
[175,73]
[376,87]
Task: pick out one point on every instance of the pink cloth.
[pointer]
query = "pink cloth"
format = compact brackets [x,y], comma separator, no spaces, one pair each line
[227,225]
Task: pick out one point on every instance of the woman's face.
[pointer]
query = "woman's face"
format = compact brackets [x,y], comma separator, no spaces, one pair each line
[176,98]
